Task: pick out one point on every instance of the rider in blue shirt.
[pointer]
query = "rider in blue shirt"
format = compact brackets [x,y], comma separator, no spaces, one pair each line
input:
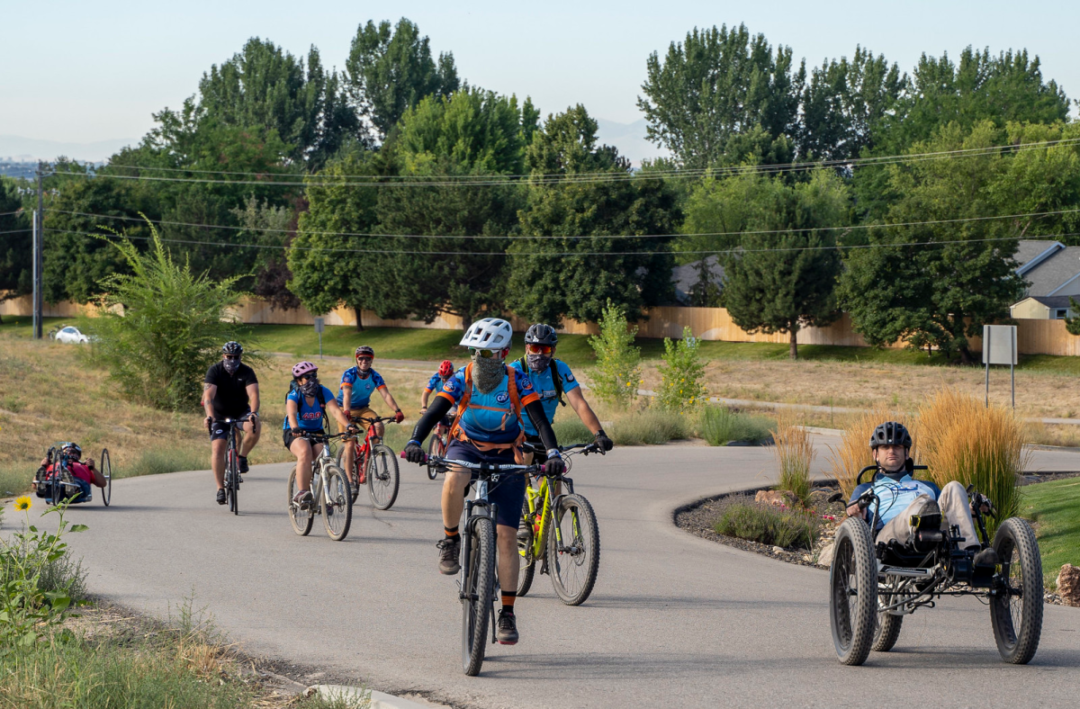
[435,384]
[354,397]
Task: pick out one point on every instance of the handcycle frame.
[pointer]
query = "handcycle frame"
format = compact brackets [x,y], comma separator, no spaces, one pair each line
[232,462]
[56,455]
[319,490]
[362,457]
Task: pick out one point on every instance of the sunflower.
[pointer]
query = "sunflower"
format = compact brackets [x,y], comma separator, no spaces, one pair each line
[22,503]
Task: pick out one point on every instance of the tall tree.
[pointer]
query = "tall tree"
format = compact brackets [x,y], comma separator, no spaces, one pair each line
[579,224]
[389,70]
[721,96]
[15,247]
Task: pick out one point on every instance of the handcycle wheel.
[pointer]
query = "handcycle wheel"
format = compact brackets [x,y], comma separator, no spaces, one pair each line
[573,549]
[301,519]
[354,488]
[337,512]
[853,604]
[56,488]
[434,448]
[105,466]
[1016,602]
[382,477]
[476,605]
[526,539]
[887,627]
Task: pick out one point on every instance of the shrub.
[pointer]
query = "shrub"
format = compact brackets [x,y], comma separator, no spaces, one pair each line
[649,427]
[161,326]
[720,425]
[853,453]
[570,430]
[618,371]
[681,372]
[768,524]
[795,453]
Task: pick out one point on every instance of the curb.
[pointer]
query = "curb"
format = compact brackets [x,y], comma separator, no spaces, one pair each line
[377,700]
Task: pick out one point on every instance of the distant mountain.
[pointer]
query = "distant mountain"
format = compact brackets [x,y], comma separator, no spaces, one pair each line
[18,149]
[629,138]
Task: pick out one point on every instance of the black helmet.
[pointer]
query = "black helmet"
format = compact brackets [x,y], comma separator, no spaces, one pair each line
[232,348]
[890,433]
[541,334]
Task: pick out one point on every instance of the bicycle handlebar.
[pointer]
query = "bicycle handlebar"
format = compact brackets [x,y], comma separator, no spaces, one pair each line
[482,468]
[375,420]
[323,437]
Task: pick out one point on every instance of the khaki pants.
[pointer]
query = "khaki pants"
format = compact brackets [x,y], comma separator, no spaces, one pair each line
[955,511]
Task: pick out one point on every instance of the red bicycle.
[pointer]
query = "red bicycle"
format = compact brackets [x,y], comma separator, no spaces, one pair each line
[436,447]
[375,463]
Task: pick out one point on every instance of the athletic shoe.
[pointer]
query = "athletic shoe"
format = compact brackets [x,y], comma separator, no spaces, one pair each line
[506,629]
[221,496]
[243,463]
[304,499]
[449,551]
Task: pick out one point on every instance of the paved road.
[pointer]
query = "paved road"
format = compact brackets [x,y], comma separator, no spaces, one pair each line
[674,620]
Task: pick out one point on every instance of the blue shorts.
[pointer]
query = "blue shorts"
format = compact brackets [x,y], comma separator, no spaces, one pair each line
[509,494]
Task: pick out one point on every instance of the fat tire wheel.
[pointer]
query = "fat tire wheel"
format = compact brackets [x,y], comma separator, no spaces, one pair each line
[1016,612]
[301,519]
[476,607]
[853,604]
[573,574]
[105,466]
[434,448]
[886,632]
[526,561]
[383,478]
[337,516]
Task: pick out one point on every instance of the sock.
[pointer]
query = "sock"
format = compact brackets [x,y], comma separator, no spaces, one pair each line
[450,532]
[508,598]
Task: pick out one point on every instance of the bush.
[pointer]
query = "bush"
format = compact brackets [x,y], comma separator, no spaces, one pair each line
[681,372]
[795,453]
[768,524]
[649,427]
[720,425]
[570,430]
[161,326]
[618,371]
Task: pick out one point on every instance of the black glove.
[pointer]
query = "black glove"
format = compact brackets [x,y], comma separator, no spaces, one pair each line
[414,453]
[603,441]
[296,431]
[352,428]
[554,465]
[209,421]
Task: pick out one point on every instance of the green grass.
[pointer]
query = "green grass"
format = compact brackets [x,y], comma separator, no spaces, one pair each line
[720,425]
[1054,507]
[650,427]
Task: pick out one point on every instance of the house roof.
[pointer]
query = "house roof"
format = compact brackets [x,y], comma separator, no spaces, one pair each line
[1031,252]
[1052,272]
[1051,301]
[686,276]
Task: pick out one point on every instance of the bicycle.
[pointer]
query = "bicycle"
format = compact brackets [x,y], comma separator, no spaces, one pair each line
[478,581]
[329,488]
[378,462]
[59,483]
[232,463]
[436,447]
[562,532]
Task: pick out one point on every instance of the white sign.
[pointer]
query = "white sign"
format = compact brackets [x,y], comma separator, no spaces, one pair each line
[320,325]
[999,344]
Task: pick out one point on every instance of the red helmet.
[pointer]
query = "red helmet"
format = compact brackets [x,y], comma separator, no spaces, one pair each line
[364,351]
[446,369]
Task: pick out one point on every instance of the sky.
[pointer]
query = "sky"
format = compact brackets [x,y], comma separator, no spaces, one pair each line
[84,72]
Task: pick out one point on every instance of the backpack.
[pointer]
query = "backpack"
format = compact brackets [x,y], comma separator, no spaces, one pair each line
[515,404]
[554,377]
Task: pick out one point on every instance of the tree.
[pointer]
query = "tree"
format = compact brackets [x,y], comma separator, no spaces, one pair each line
[390,70]
[784,280]
[16,278]
[270,227]
[580,224]
[721,96]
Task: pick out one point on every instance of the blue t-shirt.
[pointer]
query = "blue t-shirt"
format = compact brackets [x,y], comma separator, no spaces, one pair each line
[490,418]
[895,495]
[362,389]
[308,416]
[435,383]
[544,384]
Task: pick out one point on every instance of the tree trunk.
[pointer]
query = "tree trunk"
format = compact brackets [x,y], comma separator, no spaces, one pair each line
[359,319]
[794,353]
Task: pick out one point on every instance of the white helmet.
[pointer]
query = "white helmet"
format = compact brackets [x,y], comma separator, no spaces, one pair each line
[488,334]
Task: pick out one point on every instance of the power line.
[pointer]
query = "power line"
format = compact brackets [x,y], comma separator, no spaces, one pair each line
[8,214]
[15,231]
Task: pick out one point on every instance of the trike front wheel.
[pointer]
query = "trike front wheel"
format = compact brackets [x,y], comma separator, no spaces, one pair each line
[853,604]
[1016,600]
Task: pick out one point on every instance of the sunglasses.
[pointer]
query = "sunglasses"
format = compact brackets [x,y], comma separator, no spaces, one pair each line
[486,354]
[363,359]
[539,349]
[232,356]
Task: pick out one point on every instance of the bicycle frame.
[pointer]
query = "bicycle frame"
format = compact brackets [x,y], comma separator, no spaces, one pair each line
[363,452]
[540,497]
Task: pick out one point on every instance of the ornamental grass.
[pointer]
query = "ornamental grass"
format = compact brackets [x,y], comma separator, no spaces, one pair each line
[795,453]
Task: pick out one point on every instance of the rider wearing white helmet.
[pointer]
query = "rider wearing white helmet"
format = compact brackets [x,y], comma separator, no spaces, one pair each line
[490,397]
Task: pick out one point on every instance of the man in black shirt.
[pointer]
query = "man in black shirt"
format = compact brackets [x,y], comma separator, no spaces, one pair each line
[230,390]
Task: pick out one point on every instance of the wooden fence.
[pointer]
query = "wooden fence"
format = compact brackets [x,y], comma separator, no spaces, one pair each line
[1033,336]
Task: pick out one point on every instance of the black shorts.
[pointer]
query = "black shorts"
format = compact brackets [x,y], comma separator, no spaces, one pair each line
[509,494]
[540,455]
[287,436]
[219,431]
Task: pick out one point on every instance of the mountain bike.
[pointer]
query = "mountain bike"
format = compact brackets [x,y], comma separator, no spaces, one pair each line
[232,462]
[329,489]
[561,531]
[375,464]
[478,582]
[436,447]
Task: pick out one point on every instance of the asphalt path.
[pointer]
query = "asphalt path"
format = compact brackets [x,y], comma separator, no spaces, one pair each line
[674,620]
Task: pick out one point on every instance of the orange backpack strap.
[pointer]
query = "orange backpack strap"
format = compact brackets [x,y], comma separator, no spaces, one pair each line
[456,431]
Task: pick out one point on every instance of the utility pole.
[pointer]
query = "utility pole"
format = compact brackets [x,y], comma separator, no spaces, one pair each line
[39,250]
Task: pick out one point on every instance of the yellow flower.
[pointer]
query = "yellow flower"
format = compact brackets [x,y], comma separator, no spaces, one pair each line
[22,503]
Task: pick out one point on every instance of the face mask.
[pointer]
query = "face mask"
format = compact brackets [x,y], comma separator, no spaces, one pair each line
[310,387]
[231,365]
[362,373]
[538,362]
[488,373]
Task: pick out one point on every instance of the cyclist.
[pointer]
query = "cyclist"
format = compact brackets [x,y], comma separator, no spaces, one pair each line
[230,390]
[436,383]
[902,496]
[491,397]
[83,474]
[306,405]
[357,385]
[552,378]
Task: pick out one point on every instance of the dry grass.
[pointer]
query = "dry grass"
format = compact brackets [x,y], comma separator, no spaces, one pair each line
[795,454]
[853,453]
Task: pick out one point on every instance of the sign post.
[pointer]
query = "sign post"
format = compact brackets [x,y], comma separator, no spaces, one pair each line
[320,325]
[999,347]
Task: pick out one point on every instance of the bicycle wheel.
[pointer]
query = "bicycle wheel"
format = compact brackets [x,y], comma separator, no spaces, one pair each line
[301,519]
[573,549]
[476,608]
[336,503]
[354,486]
[1016,608]
[853,606]
[434,448]
[232,481]
[526,539]
[56,488]
[887,627]
[382,477]
[105,466]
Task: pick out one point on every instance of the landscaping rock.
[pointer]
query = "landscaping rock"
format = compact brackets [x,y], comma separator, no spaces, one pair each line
[825,556]
[1068,585]
[779,498]
[778,550]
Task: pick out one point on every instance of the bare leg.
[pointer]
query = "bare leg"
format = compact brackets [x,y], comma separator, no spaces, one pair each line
[252,430]
[453,497]
[217,460]
[508,557]
[301,448]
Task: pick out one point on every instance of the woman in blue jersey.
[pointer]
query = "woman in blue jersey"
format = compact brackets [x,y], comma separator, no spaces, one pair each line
[306,405]
[354,397]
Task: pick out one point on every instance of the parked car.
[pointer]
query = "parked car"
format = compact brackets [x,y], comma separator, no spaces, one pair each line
[71,336]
